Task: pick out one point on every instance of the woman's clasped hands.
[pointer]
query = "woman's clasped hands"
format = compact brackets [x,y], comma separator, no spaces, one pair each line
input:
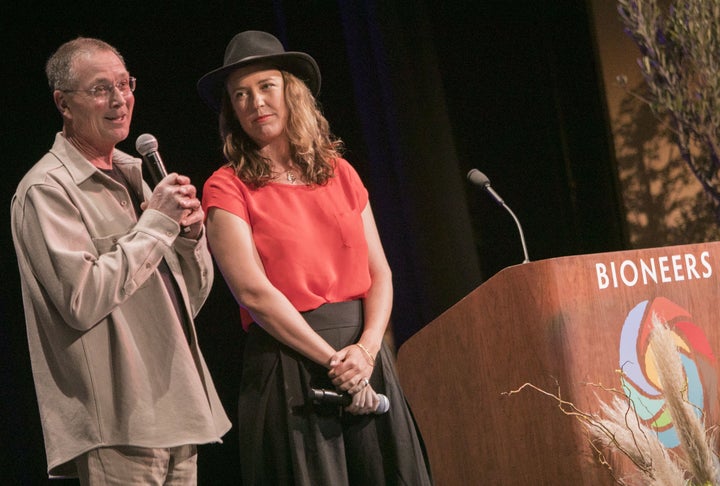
[350,371]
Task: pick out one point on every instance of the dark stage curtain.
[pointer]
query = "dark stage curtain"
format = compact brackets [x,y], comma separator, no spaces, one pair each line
[420,91]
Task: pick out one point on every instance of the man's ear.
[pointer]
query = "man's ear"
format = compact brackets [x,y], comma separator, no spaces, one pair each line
[60,101]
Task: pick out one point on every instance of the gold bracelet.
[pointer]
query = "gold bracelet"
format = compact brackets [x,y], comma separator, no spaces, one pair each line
[372,360]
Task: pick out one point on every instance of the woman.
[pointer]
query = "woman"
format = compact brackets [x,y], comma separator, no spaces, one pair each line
[292,232]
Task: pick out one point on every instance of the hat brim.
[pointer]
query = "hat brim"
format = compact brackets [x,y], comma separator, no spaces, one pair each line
[210,87]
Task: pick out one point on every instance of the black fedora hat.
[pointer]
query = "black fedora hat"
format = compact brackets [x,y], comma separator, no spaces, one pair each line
[254,46]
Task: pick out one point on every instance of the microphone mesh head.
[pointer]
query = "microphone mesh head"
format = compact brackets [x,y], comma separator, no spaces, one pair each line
[478,178]
[145,144]
[384,404]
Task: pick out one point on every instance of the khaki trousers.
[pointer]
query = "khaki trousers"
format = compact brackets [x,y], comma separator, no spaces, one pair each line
[126,465]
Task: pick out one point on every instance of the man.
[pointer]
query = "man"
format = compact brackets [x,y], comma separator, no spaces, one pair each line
[110,287]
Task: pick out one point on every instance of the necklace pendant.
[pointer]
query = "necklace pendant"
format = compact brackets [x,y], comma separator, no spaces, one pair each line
[291,177]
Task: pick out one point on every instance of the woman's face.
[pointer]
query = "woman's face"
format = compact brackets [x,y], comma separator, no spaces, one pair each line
[257,96]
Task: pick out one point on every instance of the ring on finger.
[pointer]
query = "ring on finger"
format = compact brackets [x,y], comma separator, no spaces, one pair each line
[365,382]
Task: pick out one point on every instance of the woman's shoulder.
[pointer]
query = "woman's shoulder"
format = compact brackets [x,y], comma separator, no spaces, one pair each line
[224,172]
[223,182]
[343,168]
[341,163]
[224,175]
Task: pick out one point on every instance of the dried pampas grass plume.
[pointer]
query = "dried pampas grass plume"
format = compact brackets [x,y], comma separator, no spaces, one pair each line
[617,427]
[694,441]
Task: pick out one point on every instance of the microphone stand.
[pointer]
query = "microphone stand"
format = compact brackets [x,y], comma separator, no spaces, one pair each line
[478,178]
[520,230]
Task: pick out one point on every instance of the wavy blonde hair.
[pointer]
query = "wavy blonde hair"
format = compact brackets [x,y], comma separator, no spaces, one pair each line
[313,147]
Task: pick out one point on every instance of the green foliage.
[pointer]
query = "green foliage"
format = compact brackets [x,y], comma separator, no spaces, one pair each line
[661,209]
[680,63]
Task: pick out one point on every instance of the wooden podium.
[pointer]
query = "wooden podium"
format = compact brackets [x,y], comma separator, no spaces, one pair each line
[557,324]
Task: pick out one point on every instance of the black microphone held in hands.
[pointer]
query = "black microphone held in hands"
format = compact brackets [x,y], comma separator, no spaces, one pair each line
[330,397]
[480,179]
[147,146]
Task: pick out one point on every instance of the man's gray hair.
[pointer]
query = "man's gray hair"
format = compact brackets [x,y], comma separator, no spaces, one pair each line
[59,70]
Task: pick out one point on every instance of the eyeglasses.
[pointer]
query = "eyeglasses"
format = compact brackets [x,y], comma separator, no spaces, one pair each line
[99,91]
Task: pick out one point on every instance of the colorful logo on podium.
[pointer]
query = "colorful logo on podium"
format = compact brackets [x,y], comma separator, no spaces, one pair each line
[640,378]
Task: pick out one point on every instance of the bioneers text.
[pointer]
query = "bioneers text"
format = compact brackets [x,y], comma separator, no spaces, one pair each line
[664,269]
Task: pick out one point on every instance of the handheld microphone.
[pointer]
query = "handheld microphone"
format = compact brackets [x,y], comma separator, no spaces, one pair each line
[479,179]
[147,146]
[330,397]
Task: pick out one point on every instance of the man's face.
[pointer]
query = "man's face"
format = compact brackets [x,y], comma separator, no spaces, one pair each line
[98,122]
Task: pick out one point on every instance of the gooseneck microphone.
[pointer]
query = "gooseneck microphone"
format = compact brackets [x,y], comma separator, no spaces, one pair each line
[480,179]
[147,146]
[330,397]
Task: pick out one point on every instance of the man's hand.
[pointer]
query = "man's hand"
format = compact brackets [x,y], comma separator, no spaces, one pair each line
[175,197]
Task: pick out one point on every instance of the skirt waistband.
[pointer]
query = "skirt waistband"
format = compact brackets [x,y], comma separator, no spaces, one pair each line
[335,314]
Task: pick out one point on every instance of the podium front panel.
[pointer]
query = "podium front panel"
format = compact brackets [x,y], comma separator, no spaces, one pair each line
[573,326]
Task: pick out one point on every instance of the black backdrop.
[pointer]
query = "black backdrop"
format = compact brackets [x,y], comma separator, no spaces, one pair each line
[420,91]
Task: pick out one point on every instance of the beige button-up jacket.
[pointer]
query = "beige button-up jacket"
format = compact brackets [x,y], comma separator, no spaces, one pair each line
[110,360]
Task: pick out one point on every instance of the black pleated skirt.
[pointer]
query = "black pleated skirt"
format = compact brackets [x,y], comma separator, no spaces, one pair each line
[286,439]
